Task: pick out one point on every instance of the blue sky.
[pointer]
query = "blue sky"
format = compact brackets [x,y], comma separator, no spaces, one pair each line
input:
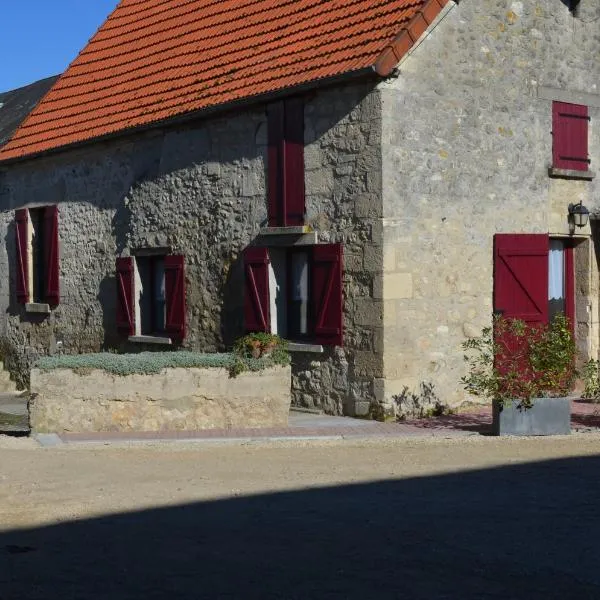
[39,38]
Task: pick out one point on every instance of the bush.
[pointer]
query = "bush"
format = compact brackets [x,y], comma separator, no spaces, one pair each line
[148,363]
[591,378]
[262,345]
[516,361]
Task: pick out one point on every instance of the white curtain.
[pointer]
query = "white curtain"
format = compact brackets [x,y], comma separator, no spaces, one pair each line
[556,272]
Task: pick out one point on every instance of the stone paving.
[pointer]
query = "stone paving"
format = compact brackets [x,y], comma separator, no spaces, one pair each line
[477,421]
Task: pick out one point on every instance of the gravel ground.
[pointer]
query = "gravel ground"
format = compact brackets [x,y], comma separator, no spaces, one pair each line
[404,518]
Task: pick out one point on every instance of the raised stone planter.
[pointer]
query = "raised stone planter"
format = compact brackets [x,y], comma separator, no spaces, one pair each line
[174,399]
[547,416]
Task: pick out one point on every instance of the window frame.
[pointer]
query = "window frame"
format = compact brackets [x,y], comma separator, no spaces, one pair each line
[324,292]
[128,289]
[38,284]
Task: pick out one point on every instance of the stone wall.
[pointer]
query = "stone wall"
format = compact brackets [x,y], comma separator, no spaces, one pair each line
[466,148]
[199,190]
[172,400]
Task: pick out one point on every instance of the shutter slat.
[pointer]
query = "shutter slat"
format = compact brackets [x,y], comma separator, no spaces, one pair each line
[327,294]
[52,259]
[276,164]
[175,296]
[256,290]
[22,252]
[125,299]
[294,162]
[570,124]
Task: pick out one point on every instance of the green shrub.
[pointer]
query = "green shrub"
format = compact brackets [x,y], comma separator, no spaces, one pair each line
[262,345]
[516,361]
[148,363]
[591,377]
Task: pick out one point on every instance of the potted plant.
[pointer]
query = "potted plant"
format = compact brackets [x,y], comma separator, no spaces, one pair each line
[527,372]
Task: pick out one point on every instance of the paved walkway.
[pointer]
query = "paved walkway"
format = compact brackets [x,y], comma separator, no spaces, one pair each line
[585,418]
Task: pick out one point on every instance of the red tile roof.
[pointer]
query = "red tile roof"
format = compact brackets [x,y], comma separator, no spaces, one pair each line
[153,60]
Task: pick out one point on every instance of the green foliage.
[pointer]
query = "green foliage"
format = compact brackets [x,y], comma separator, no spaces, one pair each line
[516,361]
[421,405]
[262,345]
[147,363]
[591,377]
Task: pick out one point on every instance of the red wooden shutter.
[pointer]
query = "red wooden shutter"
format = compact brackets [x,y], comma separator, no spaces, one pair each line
[125,299]
[22,251]
[175,296]
[570,136]
[276,163]
[294,162]
[52,266]
[256,290]
[521,277]
[327,301]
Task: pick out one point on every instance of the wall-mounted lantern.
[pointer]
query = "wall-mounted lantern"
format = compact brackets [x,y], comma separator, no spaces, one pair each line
[578,216]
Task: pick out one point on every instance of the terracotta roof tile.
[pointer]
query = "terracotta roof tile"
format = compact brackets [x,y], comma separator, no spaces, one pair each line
[153,60]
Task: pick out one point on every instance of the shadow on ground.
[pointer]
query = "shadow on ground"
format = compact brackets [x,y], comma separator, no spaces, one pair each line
[520,532]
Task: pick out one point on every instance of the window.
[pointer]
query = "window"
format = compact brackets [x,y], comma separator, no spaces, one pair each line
[286,204]
[289,293]
[295,292]
[151,296]
[560,279]
[533,277]
[150,292]
[570,123]
[36,233]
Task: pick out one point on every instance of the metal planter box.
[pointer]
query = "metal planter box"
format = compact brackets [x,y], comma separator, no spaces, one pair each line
[547,416]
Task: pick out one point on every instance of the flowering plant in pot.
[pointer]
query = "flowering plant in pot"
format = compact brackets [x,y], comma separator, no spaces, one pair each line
[526,371]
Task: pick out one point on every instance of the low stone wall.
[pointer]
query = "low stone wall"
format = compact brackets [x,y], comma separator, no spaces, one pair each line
[174,399]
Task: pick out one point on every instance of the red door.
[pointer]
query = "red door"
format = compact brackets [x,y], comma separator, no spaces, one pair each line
[521,277]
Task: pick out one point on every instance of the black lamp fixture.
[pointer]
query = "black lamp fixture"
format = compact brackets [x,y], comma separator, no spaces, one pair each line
[578,216]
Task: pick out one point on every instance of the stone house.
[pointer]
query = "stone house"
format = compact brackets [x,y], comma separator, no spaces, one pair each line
[369,179]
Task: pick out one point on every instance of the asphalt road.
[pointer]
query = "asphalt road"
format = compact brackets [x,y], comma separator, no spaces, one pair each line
[454,519]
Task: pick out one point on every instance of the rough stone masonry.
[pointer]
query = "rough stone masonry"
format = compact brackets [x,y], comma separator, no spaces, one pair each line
[199,190]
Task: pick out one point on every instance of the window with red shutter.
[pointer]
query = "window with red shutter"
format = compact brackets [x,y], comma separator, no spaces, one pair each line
[22,253]
[521,277]
[175,307]
[286,197]
[256,290]
[295,292]
[326,293]
[570,123]
[125,296]
[52,263]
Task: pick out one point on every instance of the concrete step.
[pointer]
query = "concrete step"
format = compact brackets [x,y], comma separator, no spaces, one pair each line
[14,414]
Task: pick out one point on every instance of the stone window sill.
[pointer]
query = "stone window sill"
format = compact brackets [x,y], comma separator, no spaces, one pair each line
[295,230]
[571,174]
[150,339]
[38,308]
[298,347]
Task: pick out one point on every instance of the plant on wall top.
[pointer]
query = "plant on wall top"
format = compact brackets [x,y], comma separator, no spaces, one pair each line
[516,361]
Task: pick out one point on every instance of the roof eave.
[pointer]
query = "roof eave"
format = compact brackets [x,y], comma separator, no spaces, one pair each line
[410,35]
[199,114]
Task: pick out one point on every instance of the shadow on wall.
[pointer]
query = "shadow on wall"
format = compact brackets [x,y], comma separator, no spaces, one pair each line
[232,306]
[521,532]
[107,298]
